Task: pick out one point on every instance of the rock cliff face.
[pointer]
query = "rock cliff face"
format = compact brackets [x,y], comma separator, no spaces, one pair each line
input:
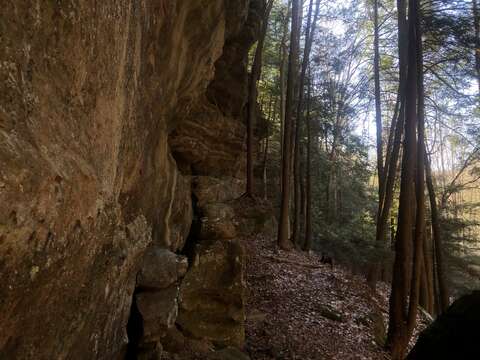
[111,113]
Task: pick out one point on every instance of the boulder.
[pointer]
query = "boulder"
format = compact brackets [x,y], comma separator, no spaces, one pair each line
[160,269]
[212,294]
[159,311]
[454,334]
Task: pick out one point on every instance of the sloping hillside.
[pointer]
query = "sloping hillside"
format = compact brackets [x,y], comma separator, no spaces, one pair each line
[302,308]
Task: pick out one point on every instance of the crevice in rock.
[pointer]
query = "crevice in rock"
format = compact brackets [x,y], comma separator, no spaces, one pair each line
[193,236]
[134,330]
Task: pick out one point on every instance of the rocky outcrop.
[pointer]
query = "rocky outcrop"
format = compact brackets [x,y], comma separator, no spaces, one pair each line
[196,142]
[211,137]
[107,110]
[212,294]
[454,334]
[208,189]
[210,143]
[160,268]
[159,311]
[155,306]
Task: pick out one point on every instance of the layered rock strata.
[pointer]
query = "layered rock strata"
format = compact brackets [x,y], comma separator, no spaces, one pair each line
[110,113]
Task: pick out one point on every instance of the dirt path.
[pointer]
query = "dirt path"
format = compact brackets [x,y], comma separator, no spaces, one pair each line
[308,311]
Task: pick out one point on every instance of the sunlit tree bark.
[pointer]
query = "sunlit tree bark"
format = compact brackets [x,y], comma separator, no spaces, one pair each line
[398,331]
[283,235]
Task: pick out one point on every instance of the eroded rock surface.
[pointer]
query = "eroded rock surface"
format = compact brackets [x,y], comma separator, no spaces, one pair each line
[208,189]
[159,311]
[212,294]
[160,268]
[108,111]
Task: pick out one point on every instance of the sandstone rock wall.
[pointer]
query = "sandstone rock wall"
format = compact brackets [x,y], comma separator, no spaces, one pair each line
[107,109]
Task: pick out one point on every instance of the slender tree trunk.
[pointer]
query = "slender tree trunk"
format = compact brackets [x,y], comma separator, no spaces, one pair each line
[309,34]
[270,119]
[283,72]
[423,298]
[443,297]
[427,253]
[283,90]
[373,273]
[252,98]
[419,185]
[387,186]
[308,211]
[297,191]
[303,209]
[332,199]
[265,158]
[436,293]
[378,105]
[283,235]
[398,327]
[392,231]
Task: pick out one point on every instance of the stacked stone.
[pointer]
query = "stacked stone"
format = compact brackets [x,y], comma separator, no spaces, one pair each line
[156,295]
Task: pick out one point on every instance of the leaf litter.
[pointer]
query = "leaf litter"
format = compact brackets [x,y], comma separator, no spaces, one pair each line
[299,308]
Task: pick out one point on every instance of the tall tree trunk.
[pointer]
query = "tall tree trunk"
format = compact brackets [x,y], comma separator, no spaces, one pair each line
[397,338]
[419,185]
[252,98]
[386,187]
[428,253]
[436,293]
[283,235]
[443,297]
[308,211]
[283,72]
[309,34]
[378,105]
[265,158]
[271,119]
[373,273]
[423,298]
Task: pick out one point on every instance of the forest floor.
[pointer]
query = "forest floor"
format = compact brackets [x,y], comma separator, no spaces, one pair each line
[300,308]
